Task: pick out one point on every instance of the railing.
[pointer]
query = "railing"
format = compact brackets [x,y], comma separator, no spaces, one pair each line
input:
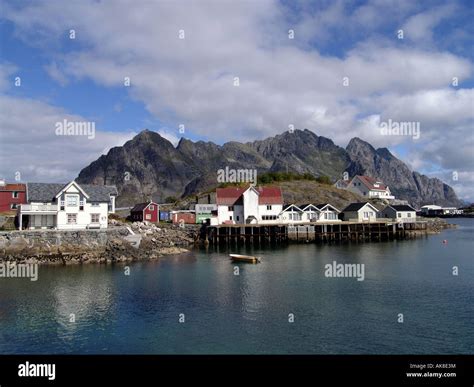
[38,207]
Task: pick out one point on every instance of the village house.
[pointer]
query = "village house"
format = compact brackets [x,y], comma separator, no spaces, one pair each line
[11,196]
[291,214]
[237,205]
[400,213]
[360,212]
[369,188]
[327,212]
[66,206]
[148,211]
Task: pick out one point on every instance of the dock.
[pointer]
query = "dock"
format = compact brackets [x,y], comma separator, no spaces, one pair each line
[255,234]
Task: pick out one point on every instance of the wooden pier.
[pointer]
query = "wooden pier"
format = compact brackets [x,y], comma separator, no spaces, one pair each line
[248,234]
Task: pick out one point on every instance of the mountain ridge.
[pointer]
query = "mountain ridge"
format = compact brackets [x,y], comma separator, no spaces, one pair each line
[149,166]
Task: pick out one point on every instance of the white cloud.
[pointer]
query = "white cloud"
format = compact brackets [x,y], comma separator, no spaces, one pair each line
[282,81]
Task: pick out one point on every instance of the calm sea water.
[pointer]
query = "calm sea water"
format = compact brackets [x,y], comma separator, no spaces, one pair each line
[248,313]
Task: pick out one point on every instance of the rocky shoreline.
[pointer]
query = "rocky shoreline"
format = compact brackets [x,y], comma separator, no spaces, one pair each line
[113,245]
[97,246]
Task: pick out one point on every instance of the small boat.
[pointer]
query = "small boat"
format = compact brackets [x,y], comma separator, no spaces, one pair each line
[244,258]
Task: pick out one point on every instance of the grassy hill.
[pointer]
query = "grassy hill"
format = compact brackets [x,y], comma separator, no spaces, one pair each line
[308,191]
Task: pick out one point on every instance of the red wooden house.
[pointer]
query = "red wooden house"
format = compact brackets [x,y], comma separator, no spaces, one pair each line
[145,212]
[11,195]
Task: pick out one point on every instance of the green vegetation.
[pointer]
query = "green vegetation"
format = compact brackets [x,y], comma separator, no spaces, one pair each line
[171,199]
[271,177]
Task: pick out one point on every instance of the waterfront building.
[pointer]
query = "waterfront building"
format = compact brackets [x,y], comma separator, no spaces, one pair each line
[248,205]
[66,206]
[399,213]
[291,213]
[360,212]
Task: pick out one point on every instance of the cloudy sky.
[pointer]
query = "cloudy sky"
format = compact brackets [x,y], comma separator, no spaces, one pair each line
[236,70]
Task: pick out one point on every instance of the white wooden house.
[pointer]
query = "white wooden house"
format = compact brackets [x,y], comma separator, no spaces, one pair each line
[248,205]
[66,206]
[400,213]
[360,212]
[368,187]
[327,212]
[291,213]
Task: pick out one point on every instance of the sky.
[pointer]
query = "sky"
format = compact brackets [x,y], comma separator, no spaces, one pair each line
[236,70]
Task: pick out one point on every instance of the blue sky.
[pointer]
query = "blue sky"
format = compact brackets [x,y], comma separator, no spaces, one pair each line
[190,81]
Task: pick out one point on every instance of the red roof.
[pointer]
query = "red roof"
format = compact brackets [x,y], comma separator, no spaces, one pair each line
[370,182]
[13,187]
[267,195]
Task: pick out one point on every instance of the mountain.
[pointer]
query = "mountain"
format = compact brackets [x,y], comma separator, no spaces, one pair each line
[412,186]
[149,166]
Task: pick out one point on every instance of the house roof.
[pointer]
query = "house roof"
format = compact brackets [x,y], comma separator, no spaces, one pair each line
[46,192]
[231,195]
[288,206]
[370,183]
[13,187]
[320,206]
[402,207]
[354,207]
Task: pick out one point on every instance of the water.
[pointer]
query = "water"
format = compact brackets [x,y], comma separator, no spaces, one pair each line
[249,313]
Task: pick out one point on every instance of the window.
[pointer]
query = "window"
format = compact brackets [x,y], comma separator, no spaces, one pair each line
[15,194]
[269,207]
[71,218]
[95,204]
[13,206]
[62,205]
[230,208]
[95,218]
[237,218]
[399,214]
[81,205]
[147,216]
[152,207]
[230,217]
[72,200]
[409,215]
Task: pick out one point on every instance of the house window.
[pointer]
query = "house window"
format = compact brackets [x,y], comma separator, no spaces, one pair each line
[62,205]
[409,215]
[95,218]
[269,207]
[237,218]
[13,206]
[152,207]
[81,205]
[72,200]
[230,208]
[147,216]
[230,217]
[95,204]
[71,218]
[399,214]
[15,195]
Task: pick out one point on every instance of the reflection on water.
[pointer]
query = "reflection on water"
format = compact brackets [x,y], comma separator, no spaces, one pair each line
[248,313]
